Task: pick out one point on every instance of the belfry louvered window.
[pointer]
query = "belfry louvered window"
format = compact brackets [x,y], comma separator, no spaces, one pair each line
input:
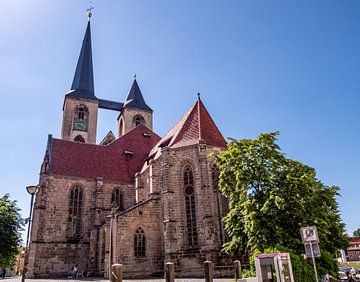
[190,206]
[117,198]
[139,243]
[75,208]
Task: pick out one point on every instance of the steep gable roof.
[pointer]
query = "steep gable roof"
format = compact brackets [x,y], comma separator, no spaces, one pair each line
[117,161]
[135,99]
[83,82]
[194,126]
[109,138]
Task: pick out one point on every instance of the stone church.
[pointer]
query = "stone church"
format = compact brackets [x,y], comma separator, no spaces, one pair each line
[159,193]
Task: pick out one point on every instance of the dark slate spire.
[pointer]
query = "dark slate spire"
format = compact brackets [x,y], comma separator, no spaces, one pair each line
[135,99]
[83,83]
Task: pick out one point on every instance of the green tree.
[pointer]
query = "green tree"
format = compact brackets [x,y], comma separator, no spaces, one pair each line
[272,197]
[356,233]
[11,224]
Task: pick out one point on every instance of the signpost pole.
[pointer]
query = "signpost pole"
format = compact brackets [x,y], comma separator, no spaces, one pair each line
[313,261]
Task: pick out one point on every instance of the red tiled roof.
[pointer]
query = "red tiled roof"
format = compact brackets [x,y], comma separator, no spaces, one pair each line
[110,162]
[195,125]
[354,240]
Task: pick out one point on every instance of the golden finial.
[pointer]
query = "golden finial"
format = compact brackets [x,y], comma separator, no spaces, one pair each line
[90,10]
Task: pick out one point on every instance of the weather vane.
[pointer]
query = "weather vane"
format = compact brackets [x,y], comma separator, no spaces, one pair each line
[90,10]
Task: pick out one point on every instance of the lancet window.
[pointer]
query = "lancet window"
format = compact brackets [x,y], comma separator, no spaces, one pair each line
[139,243]
[75,209]
[188,179]
[117,198]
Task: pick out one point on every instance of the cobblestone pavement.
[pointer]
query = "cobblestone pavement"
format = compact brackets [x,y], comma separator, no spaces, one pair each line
[18,279]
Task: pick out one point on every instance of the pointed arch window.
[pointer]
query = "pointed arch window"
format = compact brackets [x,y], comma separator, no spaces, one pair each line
[139,243]
[138,120]
[121,127]
[81,118]
[117,198]
[75,209]
[79,138]
[188,180]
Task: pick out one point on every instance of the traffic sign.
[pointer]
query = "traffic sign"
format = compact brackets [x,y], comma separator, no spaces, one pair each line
[309,234]
[312,250]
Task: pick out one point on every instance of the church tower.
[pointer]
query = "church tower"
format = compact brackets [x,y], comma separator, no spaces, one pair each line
[80,108]
[135,111]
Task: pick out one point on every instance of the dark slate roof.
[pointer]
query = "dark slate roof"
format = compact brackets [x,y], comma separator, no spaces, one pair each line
[83,83]
[135,99]
[112,162]
[110,105]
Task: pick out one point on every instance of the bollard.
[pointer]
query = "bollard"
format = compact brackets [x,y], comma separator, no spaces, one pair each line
[116,273]
[208,271]
[169,272]
[237,269]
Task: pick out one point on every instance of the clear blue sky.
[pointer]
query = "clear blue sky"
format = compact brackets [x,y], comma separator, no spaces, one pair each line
[260,66]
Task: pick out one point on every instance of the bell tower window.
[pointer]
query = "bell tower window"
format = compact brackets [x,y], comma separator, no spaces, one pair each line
[138,120]
[79,138]
[81,118]
[121,127]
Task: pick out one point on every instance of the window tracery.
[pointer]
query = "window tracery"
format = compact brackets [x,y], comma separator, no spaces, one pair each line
[188,181]
[75,209]
[139,243]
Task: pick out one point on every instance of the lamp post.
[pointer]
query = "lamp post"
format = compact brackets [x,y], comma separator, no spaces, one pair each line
[32,190]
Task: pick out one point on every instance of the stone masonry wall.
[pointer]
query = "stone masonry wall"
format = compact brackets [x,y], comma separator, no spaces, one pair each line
[70,105]
[189,260]
[128,115]
[146,215]
[52,253]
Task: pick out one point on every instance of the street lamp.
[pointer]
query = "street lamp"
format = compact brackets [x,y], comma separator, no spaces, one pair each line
[32,190]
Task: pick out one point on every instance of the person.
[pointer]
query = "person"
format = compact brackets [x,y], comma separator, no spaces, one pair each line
[3,273]
[352,276]
[72,273]
[326,277]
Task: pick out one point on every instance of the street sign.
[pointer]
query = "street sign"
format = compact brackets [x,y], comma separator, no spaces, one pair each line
[310,240]
[309,234]
[312,251]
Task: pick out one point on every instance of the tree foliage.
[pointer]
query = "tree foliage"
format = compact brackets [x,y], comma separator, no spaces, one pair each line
[356,233]
[11,225]
[272,197]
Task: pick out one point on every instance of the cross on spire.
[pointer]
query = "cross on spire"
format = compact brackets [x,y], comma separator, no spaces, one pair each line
[89,10]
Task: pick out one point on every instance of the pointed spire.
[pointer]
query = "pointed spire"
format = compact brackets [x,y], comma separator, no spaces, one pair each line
[83,83]
[135,99]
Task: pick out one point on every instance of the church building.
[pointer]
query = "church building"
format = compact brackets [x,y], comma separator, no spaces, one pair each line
[135,198]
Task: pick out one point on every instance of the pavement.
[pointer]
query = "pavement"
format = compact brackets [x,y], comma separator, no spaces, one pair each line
[18,279]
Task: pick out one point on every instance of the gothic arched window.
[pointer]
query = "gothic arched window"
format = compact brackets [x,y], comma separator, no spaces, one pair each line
[121,127]
[188,179]
[117,198]
[139,243]
[138,120]
[81,118]
[79,138]
[82,112]
[74,218]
